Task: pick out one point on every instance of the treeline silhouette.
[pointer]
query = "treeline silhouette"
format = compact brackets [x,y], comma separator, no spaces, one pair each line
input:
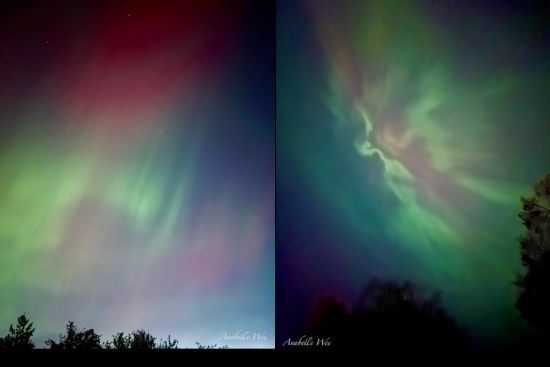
[388,313]
[533,302]
[20,337]
[392,314]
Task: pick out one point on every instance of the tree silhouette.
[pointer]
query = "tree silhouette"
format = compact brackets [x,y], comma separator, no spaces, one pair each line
[212,346]
[142,340]
[168,344]
[387,314]
[119,341]
[139,339]
[533,303]
[20,336]
[76,339]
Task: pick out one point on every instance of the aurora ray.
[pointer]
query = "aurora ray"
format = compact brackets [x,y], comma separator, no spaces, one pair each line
[136,168]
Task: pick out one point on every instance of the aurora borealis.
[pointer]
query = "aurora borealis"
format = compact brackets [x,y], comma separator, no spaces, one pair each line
[406,134]
[235,172]
[137,168]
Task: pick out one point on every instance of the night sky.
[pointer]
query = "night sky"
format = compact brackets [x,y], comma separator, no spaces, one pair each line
[137,167]
[406,134]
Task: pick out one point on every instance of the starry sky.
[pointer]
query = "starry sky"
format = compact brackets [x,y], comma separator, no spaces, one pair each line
[406,134]
[137,168]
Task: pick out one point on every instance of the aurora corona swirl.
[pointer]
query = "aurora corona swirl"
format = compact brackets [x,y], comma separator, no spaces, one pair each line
[420,126]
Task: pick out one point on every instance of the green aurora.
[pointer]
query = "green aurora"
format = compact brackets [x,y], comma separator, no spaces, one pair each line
[428,125]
